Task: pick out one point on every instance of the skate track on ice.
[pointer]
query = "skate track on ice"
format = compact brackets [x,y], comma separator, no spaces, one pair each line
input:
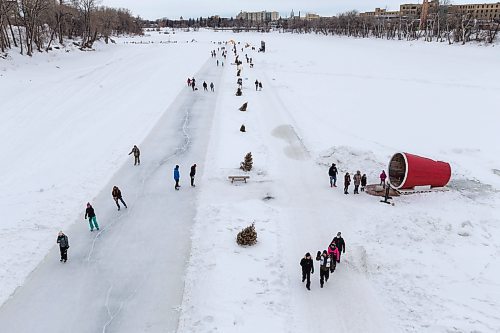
[129,277]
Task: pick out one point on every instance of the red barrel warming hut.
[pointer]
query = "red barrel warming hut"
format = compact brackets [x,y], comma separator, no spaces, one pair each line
[406,171]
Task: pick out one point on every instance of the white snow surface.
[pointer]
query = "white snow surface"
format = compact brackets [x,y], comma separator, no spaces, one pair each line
[427,264]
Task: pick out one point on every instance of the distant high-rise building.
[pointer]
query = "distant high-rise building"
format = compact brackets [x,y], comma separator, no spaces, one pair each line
[263,16]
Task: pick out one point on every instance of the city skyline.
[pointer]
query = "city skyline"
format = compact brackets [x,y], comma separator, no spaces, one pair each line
[174,9]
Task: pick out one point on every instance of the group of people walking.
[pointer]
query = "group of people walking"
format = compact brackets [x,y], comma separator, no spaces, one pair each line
[327,260]
[360,181]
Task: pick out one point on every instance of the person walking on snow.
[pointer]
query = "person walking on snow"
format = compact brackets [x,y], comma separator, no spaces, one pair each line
[177,177]
[137,154]
[339,242]
[383,177]
[260,86]
[307,269]
[333,252]
[205,86]
[256,85]
[90,213]
[212,86]
[332,172]
[357,181]
[63,242]
[347,182]
[117,195]
[363,182]
[192,173]
[193,84]
[189,82]
[324,267]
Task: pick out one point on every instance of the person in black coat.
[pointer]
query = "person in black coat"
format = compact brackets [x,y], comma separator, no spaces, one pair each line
[347,182]
[363,183]
[339,242]
[332,172]
[63,242]
[192,173]
[307,269]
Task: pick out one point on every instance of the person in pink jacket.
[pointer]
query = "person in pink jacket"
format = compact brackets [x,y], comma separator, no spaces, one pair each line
[333,252]
[383,177]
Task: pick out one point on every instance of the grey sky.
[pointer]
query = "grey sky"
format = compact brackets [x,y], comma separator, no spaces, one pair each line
[153,9]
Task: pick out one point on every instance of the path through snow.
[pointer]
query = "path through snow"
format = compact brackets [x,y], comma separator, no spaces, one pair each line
[129,276]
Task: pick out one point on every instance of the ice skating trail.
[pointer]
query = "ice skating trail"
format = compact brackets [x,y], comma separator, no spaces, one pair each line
[129,276]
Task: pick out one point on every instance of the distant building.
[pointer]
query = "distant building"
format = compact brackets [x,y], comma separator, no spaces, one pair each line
[260,17]
[381,13]
[486,11]
[311,16]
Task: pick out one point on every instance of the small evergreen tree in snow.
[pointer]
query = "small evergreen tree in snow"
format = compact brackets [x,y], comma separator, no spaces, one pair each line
[247,236]
[247,164]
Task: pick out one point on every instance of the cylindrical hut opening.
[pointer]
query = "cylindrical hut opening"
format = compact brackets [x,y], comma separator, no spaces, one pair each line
[397,170]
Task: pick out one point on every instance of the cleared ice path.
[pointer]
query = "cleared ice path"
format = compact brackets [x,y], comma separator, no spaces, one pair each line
[129,277]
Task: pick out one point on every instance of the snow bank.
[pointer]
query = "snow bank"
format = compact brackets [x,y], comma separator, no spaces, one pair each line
[426,264]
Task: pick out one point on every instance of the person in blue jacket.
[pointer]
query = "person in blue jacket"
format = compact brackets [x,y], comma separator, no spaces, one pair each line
[177,177]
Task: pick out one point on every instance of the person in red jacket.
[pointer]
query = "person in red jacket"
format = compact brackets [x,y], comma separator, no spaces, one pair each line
[383,177]
[333,252]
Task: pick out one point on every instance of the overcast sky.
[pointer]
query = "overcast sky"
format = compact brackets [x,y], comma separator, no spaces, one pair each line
[173,9]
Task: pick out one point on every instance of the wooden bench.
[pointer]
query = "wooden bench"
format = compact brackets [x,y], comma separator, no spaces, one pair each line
[238,178]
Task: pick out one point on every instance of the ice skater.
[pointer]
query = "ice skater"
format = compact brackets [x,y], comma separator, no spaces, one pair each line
[63,242]
[90,214]
[307,265]
[177,177]
[137,154]
[192,173]
[117,195]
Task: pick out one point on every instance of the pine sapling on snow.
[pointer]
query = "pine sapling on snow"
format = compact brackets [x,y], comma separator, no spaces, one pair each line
[247,164]
[247,237]
[244,107]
